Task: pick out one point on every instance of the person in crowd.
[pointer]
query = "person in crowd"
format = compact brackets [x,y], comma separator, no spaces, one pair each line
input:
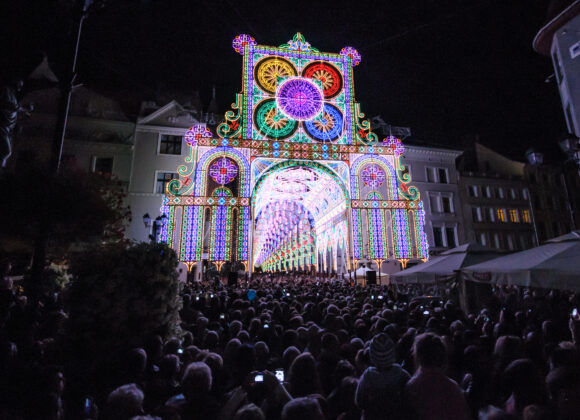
[380,390]
[124,402]
[430,394]
[303,408]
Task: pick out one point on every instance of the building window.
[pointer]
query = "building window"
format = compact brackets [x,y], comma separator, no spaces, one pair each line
[525,194]
[569,119]
[434,202]
[501,216]
[498,192]
[523,242]
[491,214]
[103,166]
[430,174]
[511,242]
[514,216]
[496,241]
[473,191]
[451,242]
[557,65]
[446,204]
[445,236]
[476,213]
[575,50]
[513,194]
[482,237]
[437,175]
[438,237]
[170,145]
[526,216]
[163,178]
[486,192]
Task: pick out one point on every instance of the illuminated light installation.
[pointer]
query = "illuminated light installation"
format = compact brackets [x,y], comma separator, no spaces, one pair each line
[293,178]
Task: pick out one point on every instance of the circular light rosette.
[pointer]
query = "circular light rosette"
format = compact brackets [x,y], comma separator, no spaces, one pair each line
[240,41]
[271,122]
[299,98]
[353,54]
[373,176]
[328,76]
[268,71]
[223,170]
[327,126]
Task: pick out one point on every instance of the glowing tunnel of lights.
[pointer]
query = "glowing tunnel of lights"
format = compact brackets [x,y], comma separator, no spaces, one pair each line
[292,201]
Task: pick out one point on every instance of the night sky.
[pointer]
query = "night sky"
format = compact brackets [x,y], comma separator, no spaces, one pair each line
[449,69]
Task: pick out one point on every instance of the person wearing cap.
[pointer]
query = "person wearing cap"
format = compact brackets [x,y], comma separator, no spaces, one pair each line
[380,390]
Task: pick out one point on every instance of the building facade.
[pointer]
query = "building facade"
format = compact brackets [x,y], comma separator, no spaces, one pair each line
[159,148]
[496,200]
[434,173]
[555,197]
[559,39]
[99,134]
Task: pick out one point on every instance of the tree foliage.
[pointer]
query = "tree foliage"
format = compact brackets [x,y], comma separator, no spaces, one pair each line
[75,206]
[118,297]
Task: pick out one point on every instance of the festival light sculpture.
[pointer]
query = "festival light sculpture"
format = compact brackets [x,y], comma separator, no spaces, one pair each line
[294,177]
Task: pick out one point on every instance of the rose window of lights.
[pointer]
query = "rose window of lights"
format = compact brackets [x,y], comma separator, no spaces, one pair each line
[373,176]
[223,171]
[299,98]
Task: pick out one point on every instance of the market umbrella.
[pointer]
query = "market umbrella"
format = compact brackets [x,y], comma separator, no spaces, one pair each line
[554,265]
[446,265]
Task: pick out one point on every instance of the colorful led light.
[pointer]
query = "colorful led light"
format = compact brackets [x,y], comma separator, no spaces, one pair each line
[353,54]
[240,41]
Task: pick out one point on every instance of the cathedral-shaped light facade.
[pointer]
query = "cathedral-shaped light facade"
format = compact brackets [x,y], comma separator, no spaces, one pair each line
[293,178]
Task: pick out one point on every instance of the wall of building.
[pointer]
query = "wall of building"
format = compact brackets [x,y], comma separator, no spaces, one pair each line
[433,172]
[554,199]
[497,211]
[148,162]
[566,59]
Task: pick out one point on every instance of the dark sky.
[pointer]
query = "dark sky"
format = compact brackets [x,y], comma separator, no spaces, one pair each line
[449,69]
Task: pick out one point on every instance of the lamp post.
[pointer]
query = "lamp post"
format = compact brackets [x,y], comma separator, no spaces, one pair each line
[80,10]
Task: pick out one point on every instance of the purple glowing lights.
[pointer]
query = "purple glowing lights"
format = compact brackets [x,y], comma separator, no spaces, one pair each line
[373,176]
[299,98]
[223,171]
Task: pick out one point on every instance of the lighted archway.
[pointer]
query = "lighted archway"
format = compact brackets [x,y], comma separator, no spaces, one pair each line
[299,211]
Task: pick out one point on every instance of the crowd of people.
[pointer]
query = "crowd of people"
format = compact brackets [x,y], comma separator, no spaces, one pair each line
[297,347]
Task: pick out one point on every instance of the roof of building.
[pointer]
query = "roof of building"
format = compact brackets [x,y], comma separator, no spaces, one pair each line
[559,13]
